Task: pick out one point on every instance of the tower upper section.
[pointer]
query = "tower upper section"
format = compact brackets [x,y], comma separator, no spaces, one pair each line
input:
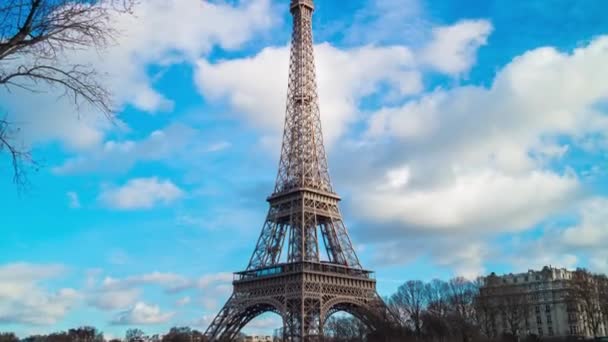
[297,3]
[303,162]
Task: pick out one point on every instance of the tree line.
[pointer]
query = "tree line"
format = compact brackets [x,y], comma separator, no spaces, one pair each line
[91,334]
[468,311]
[436,311]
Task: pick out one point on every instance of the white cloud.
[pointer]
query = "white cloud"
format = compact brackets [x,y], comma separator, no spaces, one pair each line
[263,324]
[253,86]
[464,255]
[592,231]
[219,146]
[24,300]
[477,158]
[140,193]
[486,200]
[142,313]
[579,244]
[206,281]
[203,322]
[177,145]
[122,293]
[453,49]
[215,289]
[345,77]
[183,301]
[171,282]
[114,299]
[196,27]
[466,259]
[172,142]
[387,21]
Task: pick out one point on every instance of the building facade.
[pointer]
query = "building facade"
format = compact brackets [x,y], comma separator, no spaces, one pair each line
[534,303]
[266,338]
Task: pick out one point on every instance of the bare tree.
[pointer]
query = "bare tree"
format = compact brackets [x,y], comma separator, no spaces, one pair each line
[34,38]
[8,337]
[135,335]
[437,297]
[435,324]
[85,334]
[486,310]
[345,329]
[409,301]
[462,294]
[585,294]
[514,309]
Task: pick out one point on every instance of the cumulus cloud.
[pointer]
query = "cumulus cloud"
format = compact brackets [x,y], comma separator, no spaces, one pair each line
[476,158]
[592,231]
[176,145]
[453,49]
[215,289]
[171,282]
[451,160]
[183,301]
[114,299]
[120,156]
[464,255]
[208,280]
[46,116]
[122,293]
[24,300]
[142,313]
[387,22]
[470,202]
[580,243]
[253,86]
[140,193]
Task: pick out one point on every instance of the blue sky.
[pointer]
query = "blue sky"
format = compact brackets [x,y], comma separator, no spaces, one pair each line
[464,137]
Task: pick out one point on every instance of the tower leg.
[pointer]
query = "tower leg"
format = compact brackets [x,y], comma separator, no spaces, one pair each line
[223,326]
[303,322]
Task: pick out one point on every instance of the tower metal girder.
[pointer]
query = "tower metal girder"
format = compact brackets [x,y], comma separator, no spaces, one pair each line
[286,273]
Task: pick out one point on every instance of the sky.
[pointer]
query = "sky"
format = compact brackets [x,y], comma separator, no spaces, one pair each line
[464,137]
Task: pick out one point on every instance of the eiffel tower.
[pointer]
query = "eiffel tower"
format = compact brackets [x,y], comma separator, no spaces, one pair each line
[302,287]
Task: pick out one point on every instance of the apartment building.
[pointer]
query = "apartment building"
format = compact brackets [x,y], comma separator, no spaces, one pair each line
[534,302]
[258,339]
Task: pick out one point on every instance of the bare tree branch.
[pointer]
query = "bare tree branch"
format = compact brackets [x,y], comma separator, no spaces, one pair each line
[34,38]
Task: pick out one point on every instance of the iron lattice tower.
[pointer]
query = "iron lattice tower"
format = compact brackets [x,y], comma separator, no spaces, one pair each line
[300,286]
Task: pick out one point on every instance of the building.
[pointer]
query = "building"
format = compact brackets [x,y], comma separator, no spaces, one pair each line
[534,303]
[258,339]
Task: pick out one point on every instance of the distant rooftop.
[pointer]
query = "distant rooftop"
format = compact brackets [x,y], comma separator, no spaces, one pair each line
[547,273]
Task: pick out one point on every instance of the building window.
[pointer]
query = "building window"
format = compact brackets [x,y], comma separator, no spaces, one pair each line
[547,308]
[550,331]
[540,331]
